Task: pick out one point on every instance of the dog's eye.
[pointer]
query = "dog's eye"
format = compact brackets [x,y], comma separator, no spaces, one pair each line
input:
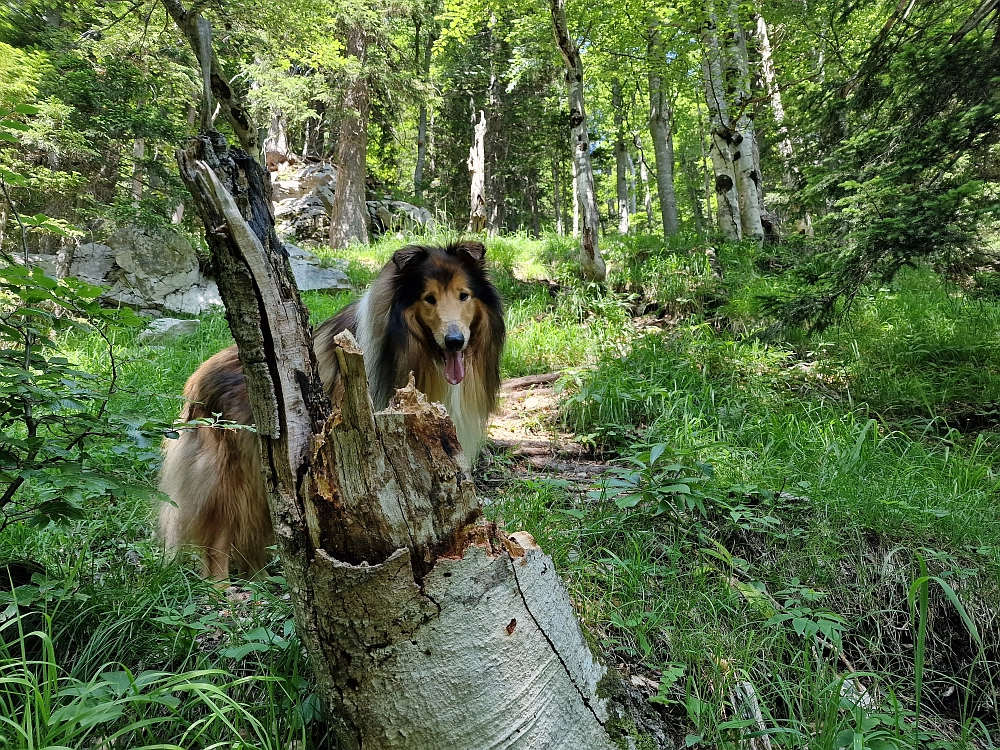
[429,299]
[463,296]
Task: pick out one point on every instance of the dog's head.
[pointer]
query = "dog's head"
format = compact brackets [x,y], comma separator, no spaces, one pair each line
[447,301]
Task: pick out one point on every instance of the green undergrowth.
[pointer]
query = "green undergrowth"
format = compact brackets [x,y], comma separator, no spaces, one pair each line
[797,522]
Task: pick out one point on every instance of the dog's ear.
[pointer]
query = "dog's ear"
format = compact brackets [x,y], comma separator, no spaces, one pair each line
[407,255]
[475,250]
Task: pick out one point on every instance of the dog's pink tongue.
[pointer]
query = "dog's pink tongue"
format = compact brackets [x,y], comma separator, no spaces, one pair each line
[454,367]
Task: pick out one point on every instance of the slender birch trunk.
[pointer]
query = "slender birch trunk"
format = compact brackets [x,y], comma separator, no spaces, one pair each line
[590,255]
[647,200]
[803,221]
[621,154]
[632,199]
[349,212]
[493,152]
[477,174]
[743,143]
[727,199]
[660,131]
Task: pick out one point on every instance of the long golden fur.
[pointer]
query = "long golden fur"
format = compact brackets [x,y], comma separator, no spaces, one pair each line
[432,311]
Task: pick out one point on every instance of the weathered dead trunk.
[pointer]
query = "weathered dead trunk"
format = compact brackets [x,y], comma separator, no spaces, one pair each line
[590,254]
[661,133]
[726,196]
[276,148]
[621,156]
[349,213]
[477,173]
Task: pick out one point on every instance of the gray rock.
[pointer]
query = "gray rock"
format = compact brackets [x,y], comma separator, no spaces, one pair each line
[310,276]
[92,262]
[297,183]
[195,300]
[390,215]
[167,329]
[155,261]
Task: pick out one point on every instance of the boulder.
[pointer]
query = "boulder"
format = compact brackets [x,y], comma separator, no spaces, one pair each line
[389,216]
[310,275]
[156,267]
[167,329]
[296,183]
[92,262]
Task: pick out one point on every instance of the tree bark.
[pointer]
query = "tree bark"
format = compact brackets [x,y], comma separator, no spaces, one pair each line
[138,154]
[661,132]
[726,196]
[630,167]
[424,67]
[477,174]
[647,196]
[557,196]
[744,138]
[621,157]
[349,212]
[576,202]
[493,152]
[590,255]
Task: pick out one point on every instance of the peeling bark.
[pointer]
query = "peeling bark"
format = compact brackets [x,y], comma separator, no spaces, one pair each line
[477,173]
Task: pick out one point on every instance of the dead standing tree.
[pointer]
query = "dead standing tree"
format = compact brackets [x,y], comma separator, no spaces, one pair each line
[425,627]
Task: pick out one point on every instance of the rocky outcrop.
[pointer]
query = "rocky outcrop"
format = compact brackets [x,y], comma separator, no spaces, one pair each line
[303,196]
[392,216]
[157,268]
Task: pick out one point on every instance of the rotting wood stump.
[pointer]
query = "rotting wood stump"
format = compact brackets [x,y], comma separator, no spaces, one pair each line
[437,631]
[426,628]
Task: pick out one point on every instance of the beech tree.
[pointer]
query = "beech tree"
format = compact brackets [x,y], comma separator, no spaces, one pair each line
[590,255]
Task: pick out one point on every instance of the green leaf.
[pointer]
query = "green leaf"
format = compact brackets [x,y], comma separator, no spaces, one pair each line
[27,109]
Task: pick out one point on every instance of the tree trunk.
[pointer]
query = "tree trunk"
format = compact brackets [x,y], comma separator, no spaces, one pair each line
[590,255]
[349,213]
[743,143]
[803,222]
[424,67]
[477,174]
[690,169]
[576,202]
[630,166]
[493,152]
[661,132]
[313,140]
[276,148]
[703,169]
[138,154]
[556,196]
[647,200]
[727,199]
[621,157]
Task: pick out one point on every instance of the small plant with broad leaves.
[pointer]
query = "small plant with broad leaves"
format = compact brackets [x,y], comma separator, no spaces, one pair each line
[657,480]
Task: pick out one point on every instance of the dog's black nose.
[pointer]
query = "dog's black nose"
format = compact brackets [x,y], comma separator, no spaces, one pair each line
[454,341]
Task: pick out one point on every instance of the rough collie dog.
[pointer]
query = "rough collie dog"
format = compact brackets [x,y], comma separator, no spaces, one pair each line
[431,311]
